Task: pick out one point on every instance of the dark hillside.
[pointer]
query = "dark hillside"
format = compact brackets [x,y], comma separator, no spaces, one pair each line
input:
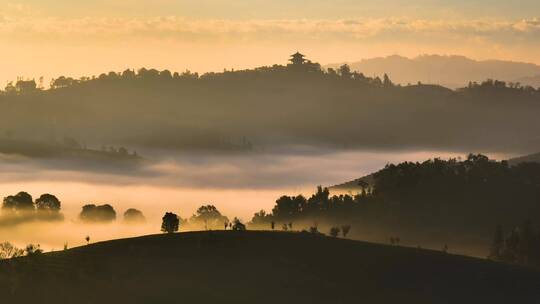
[267,106]
[260,267]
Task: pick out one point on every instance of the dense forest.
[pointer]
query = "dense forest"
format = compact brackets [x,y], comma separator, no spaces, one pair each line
[456,202]
[298,103]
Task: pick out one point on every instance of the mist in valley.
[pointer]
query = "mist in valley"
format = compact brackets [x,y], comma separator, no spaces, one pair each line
[237,184]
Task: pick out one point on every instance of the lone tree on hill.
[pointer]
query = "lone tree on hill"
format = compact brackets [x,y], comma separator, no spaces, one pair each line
[170,223]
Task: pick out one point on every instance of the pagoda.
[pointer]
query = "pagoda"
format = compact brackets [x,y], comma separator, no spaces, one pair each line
[297,59]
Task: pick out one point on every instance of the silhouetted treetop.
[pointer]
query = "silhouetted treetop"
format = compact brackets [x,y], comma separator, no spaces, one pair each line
[93,213]
[48,202]
[209,217]
[19,201]
[170,223]
[134,216]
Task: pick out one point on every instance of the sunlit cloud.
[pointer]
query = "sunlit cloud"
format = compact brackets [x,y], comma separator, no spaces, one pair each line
[93,29]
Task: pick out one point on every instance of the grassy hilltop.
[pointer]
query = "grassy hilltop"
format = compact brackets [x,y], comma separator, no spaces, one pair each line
[259,267]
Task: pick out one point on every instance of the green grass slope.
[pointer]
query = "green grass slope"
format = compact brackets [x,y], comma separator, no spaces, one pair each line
[259,267]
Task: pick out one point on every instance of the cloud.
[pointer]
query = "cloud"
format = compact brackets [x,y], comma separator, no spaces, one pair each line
[93,29]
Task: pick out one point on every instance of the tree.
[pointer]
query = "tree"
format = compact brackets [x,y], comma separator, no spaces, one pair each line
[93,213]
[48,202]
[387,82]
[32,250]
[18,202]
[345,71]
[209,216]
[8,251]
[334,231]
[497,246]
[170,223]
[363,185]
[134,216]
[87,239]
[25,86]
[345,230]
[260,218]
[237,225]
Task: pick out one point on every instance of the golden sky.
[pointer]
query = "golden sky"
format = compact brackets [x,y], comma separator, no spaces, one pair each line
[74,38]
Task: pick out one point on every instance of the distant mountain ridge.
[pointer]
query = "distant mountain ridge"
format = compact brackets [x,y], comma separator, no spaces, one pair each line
[449,71]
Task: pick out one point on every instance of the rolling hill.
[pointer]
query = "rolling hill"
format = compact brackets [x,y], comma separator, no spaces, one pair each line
[260,267]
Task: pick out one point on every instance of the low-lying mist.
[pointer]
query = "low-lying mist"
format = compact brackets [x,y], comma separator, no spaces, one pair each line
[237,184]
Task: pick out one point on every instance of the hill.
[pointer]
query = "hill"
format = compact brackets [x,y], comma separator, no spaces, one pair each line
[260,267]
[297,104]
[448,71]
[354,185]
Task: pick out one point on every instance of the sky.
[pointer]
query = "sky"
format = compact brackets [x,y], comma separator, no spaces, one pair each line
[80,38]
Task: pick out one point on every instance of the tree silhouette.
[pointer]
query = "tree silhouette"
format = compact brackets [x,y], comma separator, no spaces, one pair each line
[497,246]
[21,201]
[237,225]
[134,216]
[334,231]
[208,216]
[33,250]
[345,230]
[8,251]
[48,202]
[170,223]
[93,213]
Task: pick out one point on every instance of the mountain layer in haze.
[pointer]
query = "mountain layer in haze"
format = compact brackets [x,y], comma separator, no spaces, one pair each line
[448,71]
[297,104]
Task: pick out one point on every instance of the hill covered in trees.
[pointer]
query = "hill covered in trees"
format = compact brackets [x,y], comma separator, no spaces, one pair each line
[259,267]
[299,103]
[436,203]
